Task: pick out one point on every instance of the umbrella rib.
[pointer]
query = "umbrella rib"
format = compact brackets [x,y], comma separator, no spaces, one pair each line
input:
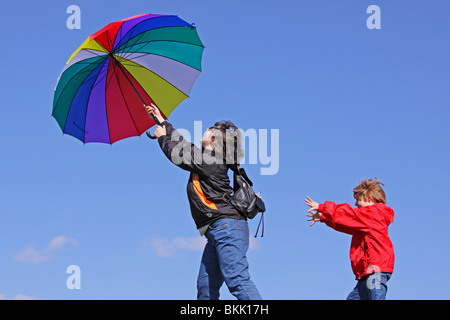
[132,30]
[96,52]
[65,86]
[140,36]
[104,74]
[88,79]
[90,92]
[147,53]
[160,55]
[83,61]
[162,40]
[109,39]
[159,76]
[143,44]
[121,69]
[118,36]
[134,27]
[108,81]
[120,87]
[128,53]
[76,125]
[136,90]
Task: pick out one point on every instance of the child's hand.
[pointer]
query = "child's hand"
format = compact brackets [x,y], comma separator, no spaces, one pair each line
[310,202]
[315,215]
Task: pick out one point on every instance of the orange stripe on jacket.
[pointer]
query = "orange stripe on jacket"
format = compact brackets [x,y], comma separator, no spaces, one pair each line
[199,191]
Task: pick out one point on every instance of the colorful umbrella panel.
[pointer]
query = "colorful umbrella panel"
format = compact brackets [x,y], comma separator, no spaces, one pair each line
[155,58]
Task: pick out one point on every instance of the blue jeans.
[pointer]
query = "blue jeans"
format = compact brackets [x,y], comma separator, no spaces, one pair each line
[371,287]
[224,259]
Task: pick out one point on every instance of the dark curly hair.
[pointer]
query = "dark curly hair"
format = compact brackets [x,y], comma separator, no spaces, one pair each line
[228,142]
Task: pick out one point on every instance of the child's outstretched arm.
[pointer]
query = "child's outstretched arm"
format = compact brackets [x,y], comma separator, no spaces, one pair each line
[315,214]
[343,217]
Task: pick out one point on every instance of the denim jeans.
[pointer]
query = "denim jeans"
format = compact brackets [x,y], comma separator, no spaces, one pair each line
[371,287]
[224,259]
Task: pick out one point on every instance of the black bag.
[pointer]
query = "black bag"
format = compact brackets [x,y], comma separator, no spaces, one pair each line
[244,199]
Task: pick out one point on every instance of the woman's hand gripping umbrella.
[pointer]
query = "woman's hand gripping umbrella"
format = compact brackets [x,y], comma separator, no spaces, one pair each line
[154,112]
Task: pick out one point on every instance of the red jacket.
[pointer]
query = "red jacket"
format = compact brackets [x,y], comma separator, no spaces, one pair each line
[371,249]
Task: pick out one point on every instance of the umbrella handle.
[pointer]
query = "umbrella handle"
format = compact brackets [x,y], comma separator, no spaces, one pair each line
[158,123]
[150,135]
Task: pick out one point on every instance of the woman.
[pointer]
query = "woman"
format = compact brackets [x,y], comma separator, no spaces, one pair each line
[224,257]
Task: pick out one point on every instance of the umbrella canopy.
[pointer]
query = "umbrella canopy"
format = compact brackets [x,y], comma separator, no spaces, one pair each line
[150,58]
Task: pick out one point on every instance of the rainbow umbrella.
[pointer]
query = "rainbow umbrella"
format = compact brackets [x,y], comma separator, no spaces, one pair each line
[144,59]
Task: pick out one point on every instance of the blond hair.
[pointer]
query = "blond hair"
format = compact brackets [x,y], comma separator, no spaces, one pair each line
[370,190]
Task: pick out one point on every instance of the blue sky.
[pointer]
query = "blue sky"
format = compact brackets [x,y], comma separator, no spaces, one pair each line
[349,103]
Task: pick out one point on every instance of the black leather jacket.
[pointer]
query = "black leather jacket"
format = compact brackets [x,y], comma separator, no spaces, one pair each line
[208,182]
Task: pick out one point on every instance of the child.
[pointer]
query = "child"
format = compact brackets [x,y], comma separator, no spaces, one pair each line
[371,253]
